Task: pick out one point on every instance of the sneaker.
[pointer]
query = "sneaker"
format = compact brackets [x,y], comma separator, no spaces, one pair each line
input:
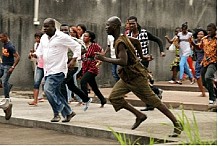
[87,104]
[69,117]
[172,82]
[4,103]
[179,82]
[160,93]
[8,112]
[211,101]
[56,118]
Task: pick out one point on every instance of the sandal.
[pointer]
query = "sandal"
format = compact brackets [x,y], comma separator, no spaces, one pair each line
[32,103]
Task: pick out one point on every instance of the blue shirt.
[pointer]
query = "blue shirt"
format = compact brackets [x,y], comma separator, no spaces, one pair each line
[7,54]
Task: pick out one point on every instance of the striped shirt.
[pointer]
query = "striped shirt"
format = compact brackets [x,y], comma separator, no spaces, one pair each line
[143,38]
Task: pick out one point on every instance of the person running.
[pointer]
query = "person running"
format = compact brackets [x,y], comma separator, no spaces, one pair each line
[174,66]
[209,62]
[90,66]
[39,72]
[198,35]
[133,77]
[69,80]
[53,48]
[144,36]
[10,58]
[184,53]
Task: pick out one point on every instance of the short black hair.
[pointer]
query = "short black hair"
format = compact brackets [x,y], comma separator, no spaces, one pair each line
[64,24]
[133,17]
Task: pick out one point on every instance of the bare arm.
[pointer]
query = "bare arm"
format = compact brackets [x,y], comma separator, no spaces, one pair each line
[17,59]
[121,59]
[168,39]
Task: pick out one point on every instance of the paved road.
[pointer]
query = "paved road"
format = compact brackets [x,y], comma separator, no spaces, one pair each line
[17,135]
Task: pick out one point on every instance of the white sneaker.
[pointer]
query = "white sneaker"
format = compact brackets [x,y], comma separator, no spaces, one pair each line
[87,104]
[5,103]
[172,82]
[211,101]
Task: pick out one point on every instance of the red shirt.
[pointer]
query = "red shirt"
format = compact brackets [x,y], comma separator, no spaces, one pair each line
[89,62]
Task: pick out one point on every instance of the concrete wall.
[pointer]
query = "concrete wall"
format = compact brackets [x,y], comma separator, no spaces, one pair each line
[158,16]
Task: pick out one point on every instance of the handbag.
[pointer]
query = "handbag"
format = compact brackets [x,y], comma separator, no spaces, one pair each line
[172,48]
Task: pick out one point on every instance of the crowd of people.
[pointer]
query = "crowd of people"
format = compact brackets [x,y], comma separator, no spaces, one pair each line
[63,55]
[197,45]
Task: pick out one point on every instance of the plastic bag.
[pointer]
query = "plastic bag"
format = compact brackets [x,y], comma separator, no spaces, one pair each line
[172,48]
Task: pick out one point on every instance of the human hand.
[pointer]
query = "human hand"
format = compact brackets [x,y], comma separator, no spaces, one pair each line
[99,56]
[148,57]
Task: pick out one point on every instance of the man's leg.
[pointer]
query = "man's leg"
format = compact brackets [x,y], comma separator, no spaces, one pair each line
[209,79]
[144,92]
[117,100]
[178,128]
[55,98]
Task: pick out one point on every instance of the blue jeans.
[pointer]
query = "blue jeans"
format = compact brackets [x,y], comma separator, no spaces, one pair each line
[4,75]
[184,68]
[39,74]
[56,99]
[114,72]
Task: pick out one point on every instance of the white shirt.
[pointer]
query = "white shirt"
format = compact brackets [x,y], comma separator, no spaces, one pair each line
[54,52]
[110,42]
[184,45]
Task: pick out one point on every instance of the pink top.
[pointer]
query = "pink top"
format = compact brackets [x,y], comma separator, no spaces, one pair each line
[40,62]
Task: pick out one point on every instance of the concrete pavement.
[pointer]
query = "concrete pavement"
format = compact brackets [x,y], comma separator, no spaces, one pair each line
[95,122]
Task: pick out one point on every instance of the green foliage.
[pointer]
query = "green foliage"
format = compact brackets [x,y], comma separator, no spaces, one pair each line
[191,130]
[121,138]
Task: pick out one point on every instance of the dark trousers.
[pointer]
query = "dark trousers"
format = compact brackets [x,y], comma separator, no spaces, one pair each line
[72,87]
[207,75]
[89,78]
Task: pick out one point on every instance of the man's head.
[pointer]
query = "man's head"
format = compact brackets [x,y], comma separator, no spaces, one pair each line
[211,29]
[133,24]
[65,28]
[49,26]
[113,24]
[4,37]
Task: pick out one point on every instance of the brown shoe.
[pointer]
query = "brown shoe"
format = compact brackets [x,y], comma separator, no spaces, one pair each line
[69,117]
[138,121]
[8,112]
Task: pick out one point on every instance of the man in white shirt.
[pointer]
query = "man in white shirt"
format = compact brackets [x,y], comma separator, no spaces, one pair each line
[53,48]
[110,47]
